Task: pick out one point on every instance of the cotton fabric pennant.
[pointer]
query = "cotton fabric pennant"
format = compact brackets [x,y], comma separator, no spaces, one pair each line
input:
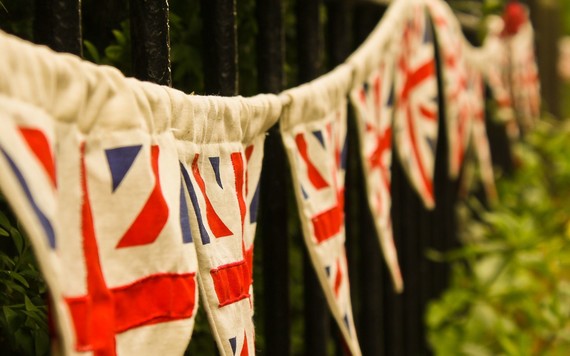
[373,101]
[372,97]
[220,144]
[524,76]
[458,110]
[313,127]
[416,111]
[99,192]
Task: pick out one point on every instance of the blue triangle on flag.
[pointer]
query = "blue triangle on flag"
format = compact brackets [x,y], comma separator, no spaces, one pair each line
[345,319]
[253,206]
[428,35]
[233,344]
[431,143]
[390,101]
[184,217]
[319,135]
[305,195]
[120,160]
[343,154]
[215,162]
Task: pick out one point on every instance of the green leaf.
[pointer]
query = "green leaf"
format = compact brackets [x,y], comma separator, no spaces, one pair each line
[4,232]
[92,52]
[4,221]
[11,317]
[20,279]
[18,240]
[29,305]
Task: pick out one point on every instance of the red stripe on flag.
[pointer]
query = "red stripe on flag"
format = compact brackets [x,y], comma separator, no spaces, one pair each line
[237,164]
[417,76]
[151,300]
[153,216]
[427,113]
[327,224]
[338,278]
[93,319]
[244,349]
[219,229]
[40,146]
[231,282]
[426,181]
[314,176]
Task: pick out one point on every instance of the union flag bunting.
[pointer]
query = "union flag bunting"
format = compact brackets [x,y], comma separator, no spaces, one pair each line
[373,101]
[313,127]
[416,105]
[458,110]
[221,161]
[525,83]
[97,206]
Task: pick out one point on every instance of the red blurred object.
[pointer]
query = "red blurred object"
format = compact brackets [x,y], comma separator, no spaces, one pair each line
[515,15]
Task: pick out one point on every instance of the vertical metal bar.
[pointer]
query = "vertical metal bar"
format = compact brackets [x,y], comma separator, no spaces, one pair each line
[273,226]
[338,44]
[219,34]
[309,51]
[57,24]
[150,40]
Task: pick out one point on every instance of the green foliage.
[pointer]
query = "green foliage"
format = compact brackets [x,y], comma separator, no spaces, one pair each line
[510,288]
[23,319]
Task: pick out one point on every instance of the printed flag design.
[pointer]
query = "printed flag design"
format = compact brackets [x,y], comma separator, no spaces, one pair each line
[223,184]
[79,198]
[416,113]
[317,153]
[524,76]
[458,111]
[374,102]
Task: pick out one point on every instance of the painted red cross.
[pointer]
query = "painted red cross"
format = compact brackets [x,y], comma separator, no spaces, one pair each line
[104,312]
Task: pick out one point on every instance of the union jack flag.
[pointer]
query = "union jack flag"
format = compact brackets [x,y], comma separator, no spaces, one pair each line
[317,154]
[458,110]
[373,102]
[525,83]
[416,112]
[223,187]
[120,204]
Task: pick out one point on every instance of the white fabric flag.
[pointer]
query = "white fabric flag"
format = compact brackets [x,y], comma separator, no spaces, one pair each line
[313,127]
[416,111]
[458,107]
[220,143]
[98,188]
[372,97]
[373,102]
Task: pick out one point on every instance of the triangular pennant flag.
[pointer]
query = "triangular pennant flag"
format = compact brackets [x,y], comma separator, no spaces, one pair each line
[458,109]
[374,112]
[117,201]
[313,128]
[221,163]
[416,107]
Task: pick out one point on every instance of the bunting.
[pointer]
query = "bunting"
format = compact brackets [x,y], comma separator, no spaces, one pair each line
[313,127]
[138,198]
[373,101]
[416,107]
